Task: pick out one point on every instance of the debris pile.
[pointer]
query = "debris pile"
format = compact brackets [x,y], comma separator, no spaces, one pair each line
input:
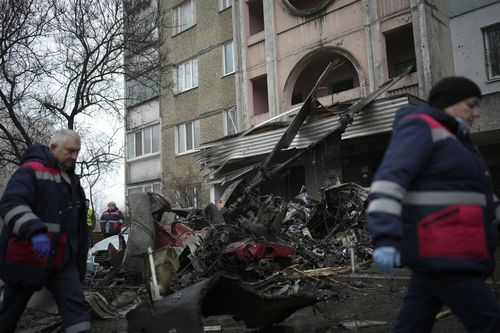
[253,238]
[264,247]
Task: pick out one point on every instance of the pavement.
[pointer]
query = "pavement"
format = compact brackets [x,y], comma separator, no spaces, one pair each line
[365,298]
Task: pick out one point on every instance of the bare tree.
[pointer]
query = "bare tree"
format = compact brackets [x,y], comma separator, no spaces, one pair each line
[184,190]
[62,61]
[22,64]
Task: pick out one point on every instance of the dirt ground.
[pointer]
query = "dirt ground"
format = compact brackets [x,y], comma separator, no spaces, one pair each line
[363,296]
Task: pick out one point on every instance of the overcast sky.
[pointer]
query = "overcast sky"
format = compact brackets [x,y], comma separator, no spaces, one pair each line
[111,187]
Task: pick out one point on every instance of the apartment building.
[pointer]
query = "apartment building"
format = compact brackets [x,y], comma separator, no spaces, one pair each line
[283,46]
[475,32]
[201,104]
[143,150]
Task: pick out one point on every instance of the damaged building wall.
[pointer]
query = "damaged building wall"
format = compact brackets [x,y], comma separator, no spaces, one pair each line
[432,42]
[470,24]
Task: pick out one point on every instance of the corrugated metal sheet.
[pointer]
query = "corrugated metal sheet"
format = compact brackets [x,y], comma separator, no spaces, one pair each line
[376,118]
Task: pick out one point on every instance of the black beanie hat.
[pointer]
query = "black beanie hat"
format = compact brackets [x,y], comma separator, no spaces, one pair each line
[452,90]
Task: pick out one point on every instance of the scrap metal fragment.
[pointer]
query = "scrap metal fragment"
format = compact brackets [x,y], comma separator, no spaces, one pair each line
[219,295]
[355,324]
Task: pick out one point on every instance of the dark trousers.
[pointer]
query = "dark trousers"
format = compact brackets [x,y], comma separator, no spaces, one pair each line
[67,291]
[467,296]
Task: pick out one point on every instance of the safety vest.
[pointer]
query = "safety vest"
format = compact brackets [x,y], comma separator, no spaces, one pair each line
[90,217]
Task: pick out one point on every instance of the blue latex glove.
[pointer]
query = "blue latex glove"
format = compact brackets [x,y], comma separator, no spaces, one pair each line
[41,246]
[386,257]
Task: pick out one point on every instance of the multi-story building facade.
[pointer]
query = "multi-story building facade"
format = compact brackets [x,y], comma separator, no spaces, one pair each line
[283,46]
[201,106]
[143,169]
[280,49]
[475,32]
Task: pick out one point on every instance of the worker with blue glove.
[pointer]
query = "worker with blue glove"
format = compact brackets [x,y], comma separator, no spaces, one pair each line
[44,239]
[431,208]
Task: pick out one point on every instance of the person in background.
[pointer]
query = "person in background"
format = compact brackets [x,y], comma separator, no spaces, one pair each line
[111,220]
[91,220]
[44,237]
[432,208]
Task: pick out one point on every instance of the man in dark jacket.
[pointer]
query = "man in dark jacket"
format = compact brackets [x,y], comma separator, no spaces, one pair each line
[432,208]
[44,237]
[111,220]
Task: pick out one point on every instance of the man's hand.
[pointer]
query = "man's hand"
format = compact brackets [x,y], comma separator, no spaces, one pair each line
[41,245]
[386,257]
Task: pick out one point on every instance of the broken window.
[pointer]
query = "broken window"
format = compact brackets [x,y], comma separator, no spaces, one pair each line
[400,50]
[342,78]
[255,16]
[230,122]
[260,102]
[492,48]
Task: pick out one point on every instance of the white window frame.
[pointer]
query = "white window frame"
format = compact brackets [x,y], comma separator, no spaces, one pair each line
[179,27]
[181,79]
[488,50]
[227,118]
[181,140]
[133,134]
[225,70]
[224,4]
[142,188]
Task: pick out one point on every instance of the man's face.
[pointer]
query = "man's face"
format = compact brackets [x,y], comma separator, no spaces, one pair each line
[468,109]
[67,152]
[111,207]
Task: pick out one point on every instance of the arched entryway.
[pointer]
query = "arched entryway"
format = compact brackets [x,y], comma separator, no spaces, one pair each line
[305,74]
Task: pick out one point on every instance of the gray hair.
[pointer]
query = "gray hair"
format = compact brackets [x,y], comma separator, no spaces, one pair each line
[61,135]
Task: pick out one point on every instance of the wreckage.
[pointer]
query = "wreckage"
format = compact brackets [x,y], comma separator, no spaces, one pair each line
[249,249]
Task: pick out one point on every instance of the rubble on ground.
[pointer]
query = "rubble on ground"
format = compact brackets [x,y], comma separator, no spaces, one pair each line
[273,247]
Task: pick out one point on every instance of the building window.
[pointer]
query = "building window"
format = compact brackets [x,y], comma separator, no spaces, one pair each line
[223,4]
[186,76]
[154,187]
[142,88]
[230,122]
[143,142]
[187,137]
[228,58]
[184,17]
[492,45]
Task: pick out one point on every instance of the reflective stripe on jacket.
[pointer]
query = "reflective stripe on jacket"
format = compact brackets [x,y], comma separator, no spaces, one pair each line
[40,198]
[432,196]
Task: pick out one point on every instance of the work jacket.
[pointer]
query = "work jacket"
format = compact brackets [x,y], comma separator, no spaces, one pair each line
[41,198]
[432,196]
[111,221]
